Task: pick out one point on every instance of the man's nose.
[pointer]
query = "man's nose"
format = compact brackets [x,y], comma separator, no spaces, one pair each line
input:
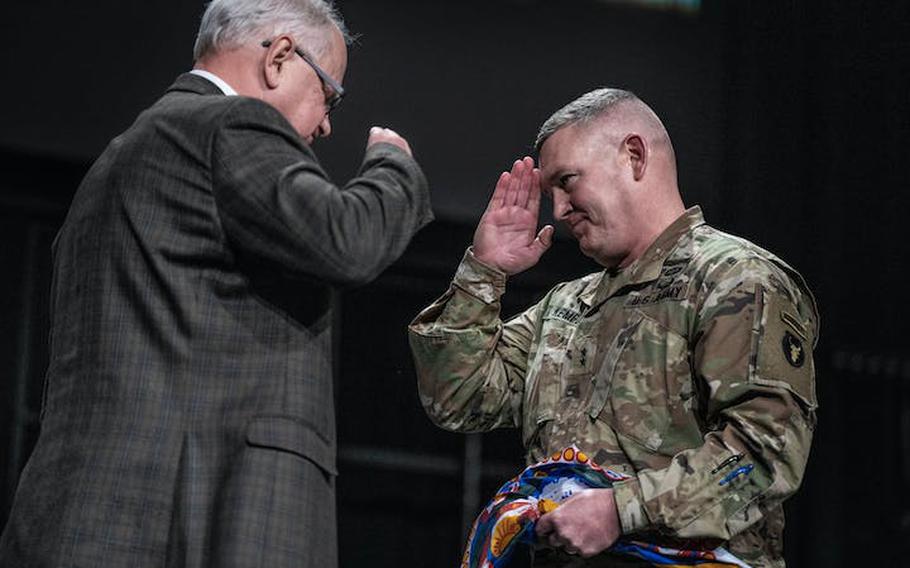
[325,127]
[561,205]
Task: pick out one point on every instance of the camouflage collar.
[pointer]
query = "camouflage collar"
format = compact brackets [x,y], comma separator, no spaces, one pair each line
[647,267]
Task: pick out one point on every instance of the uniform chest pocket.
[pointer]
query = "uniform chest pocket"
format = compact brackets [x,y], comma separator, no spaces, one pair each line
[643,388]
[554,356]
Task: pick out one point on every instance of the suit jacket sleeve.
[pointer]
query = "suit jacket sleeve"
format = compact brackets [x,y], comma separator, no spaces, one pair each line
[277,204]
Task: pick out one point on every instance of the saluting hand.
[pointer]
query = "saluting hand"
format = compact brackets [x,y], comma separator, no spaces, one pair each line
[506,237]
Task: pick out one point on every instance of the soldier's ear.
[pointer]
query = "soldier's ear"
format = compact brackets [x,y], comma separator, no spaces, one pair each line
[637,152]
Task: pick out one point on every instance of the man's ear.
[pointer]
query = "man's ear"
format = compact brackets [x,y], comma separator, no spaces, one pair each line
[280,51]
[637,151]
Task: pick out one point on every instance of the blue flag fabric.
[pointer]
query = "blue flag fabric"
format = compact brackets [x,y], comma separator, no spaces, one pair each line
[507,522]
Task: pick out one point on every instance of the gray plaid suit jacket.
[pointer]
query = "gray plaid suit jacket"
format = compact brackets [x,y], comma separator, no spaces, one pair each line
[188,416]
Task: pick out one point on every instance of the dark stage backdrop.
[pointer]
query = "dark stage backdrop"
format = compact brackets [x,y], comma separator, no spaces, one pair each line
[790,127]
[468,83]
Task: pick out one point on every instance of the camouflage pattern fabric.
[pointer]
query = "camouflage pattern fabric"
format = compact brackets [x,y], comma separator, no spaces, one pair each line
[690,370]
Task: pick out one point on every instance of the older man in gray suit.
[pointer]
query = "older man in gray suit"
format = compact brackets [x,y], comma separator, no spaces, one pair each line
[188,416]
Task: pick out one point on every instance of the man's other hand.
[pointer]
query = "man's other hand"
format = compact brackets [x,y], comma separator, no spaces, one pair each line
[506,237]
[586,524]
[389,136]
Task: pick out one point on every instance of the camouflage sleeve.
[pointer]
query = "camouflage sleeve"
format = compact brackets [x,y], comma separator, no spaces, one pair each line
[751,348]
[470,366]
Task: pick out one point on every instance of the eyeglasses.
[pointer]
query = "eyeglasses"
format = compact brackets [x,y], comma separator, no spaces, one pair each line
[337,91]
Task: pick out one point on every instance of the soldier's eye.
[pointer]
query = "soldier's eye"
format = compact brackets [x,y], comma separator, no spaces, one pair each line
[566,179]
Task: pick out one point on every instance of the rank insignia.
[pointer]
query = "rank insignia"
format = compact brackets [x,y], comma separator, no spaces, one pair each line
[794,352]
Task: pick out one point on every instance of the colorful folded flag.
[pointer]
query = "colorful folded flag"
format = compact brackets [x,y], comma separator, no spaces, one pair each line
[508,521]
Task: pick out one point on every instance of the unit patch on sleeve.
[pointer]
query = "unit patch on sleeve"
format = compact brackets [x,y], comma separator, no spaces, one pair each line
[794,352]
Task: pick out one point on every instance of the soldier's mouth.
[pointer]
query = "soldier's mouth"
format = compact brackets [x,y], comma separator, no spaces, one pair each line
[577,226]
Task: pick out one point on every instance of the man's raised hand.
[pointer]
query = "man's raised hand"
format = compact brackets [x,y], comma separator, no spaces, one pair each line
[389,136]
[506,237]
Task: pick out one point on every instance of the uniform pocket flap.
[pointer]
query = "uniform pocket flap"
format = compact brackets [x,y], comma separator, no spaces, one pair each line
[603,378]
[295,436]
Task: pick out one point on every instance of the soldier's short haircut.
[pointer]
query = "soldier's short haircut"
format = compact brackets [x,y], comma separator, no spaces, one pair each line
[232,23]
[582,110]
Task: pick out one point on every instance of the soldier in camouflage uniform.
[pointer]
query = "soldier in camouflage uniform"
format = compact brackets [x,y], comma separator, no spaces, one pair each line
[686,363]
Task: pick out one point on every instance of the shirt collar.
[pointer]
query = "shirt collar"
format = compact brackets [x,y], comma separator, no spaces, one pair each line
[218,81]
[647,267]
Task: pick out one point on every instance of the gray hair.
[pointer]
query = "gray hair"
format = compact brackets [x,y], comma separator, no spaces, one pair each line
[582,110]
[232,23]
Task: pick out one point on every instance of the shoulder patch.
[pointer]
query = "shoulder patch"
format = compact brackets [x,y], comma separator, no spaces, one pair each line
[782,349]
[794,352]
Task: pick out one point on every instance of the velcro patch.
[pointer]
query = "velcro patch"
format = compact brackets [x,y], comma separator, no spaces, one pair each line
[783,356]
[565,314]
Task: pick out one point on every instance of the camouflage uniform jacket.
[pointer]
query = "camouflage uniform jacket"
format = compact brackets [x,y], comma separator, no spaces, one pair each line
[691,370]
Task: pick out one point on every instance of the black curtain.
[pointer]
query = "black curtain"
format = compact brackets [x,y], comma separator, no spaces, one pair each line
[817,125]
